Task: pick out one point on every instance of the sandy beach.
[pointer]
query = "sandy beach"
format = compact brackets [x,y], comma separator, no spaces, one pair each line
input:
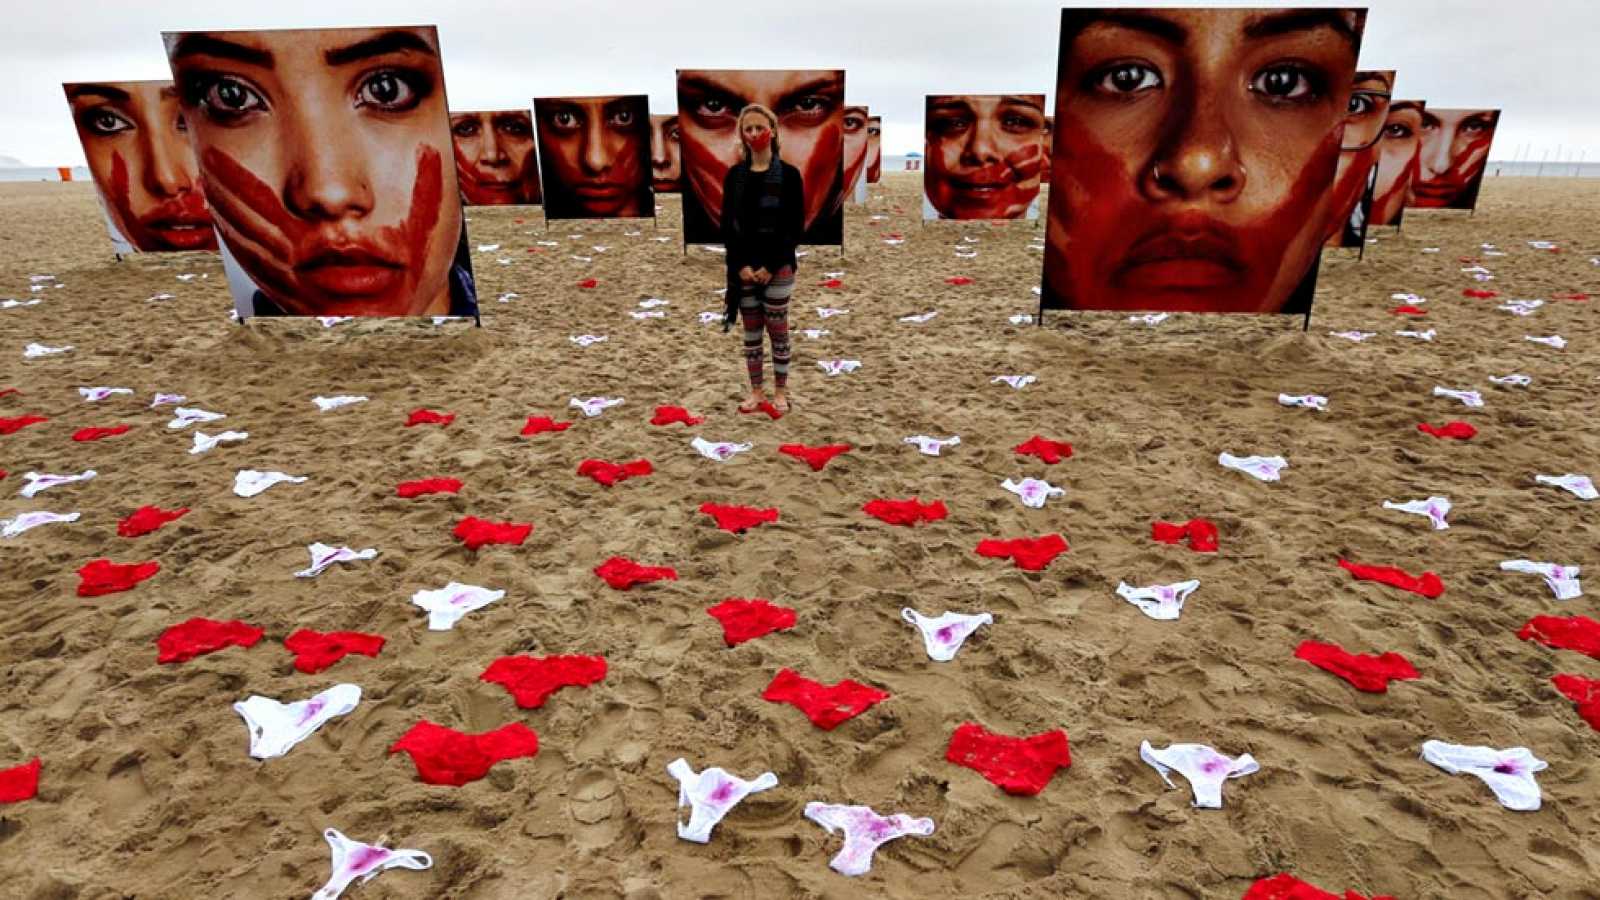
[147,790]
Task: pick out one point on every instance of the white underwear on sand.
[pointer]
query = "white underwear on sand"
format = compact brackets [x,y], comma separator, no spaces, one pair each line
[594,406]
[448,604]
[1581,486]
[1016,381]
[1562,580]
[250,482]
[323,556]
[39,482]
[864,832]
[204,442]
[328,403]
[1261,468]
[720,451]
[943,635]
[96,394]
[1509,772]
[1470,398]
[186,416]
[930,446]
[1307,401]
[353,860]
[1033,491]
[275,728]
[1203,767]
[10,528]
[1159,601]
[1435,508]
[838,366]
[710,794]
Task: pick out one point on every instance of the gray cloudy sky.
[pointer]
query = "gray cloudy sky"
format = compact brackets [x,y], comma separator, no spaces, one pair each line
[1533,58]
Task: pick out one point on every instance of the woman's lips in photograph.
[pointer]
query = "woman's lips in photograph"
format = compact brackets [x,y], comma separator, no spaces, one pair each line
[1205,259]
[1434,192]
[600,190]
[351,271]
[182,232]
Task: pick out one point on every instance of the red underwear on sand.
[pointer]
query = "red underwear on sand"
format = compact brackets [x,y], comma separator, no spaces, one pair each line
[623,573]
[1030,554]
[815,457]
[20,783]
[102,576]
[1200,533]
[739,519]
[476,532]
[746,620]
[1577,633]
[530,680]
[905,512]
[541,424]
[84,435]
[1365,671]
[667,415]
[826,705]
[609,473]
[1022,766]
[1461,431]
[1583,691]
[146,519]
[429,417]
[447,756]
[1288,887]
[1051,452]
[409,489]
[1427,584]
[316,650]
[197,637]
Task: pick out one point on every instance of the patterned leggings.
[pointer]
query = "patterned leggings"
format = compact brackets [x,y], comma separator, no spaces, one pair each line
[766,307]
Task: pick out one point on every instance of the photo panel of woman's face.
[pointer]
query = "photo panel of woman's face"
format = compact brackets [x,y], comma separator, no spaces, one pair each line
[1045,141]
[1358,149]
[325,155]
[855,145]
[594,156]
[137,143]
[985,154]
[810,109]
[1399,152]
[874,149]
[1194,150]
[1455,151]
[666,156]
[495,162]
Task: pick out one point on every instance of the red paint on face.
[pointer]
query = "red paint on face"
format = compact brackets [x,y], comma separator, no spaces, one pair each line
[1446,188]
[314,266]
[181,222]
[760,141]
[1109,248]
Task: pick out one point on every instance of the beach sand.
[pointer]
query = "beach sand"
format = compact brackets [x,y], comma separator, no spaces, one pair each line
[147,789]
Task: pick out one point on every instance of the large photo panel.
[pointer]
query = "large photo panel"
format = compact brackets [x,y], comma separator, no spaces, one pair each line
[1355,182]
[136,142]
[856,147]
[985,156]
[874,149]
[594,157]
[666,154]
[495,161]
[1399,154]
[1453,156]
[326,156]
[810,107]
[1193,154]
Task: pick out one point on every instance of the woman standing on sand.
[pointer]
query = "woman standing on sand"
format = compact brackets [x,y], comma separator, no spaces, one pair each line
[763,217]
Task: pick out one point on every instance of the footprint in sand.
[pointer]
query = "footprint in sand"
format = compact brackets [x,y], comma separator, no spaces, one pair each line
[599,814]
[623,731]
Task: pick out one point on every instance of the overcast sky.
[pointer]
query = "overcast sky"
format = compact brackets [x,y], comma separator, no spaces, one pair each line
[1532,58]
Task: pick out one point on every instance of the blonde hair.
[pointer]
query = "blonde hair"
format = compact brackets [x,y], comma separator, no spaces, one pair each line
[772,120]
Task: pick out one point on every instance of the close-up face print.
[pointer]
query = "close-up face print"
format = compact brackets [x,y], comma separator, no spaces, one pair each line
[1195,149]
[1359,148]
[855,145]
[810,109]
[1046,139]
[666,157]
[594,156]
[1455,150]
[326,157]
[137,143]
[1398,152]
[874,149]
[984,154]
[495,162]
